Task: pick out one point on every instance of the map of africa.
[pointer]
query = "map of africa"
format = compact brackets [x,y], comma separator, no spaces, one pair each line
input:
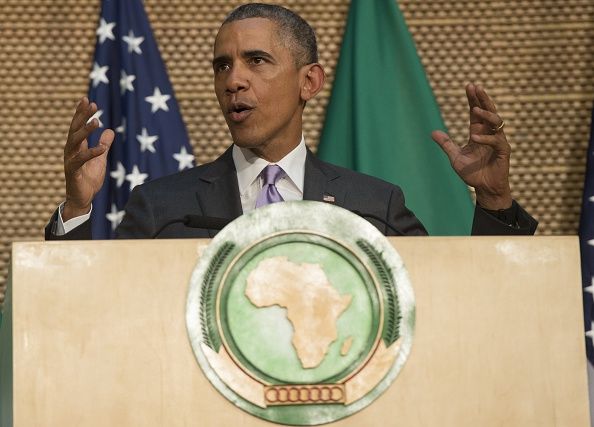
[313,304]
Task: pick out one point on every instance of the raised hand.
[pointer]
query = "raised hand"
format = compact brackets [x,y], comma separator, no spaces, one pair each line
[84,167]
[483,163]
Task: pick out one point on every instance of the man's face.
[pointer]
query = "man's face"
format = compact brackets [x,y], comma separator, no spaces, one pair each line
[258,87]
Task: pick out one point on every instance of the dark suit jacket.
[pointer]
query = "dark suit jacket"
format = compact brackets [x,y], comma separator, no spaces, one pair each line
[212,190]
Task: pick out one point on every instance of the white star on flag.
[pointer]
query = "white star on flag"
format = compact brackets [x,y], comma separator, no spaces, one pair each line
[591,242]
[122,127]
[119,174]
[98,74]
[158,101]
[590,289]
[133,42]
[96,116]
[126,82]
[185,159]
[105,30]
[147,141]
[591,199]
[115,216]
[136,178]
[590,333]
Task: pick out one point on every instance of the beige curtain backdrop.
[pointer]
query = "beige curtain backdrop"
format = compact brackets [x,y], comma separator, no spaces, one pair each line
[536,57]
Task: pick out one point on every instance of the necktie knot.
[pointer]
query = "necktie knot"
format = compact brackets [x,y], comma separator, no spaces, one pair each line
[269,193]
[271,174]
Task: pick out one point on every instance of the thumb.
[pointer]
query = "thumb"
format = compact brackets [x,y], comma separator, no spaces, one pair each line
[106,139]
[446,144]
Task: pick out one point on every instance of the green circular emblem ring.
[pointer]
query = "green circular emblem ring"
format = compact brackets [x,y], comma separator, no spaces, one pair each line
[300,313]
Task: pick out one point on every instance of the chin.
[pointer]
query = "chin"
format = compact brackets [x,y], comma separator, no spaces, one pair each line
[245,141]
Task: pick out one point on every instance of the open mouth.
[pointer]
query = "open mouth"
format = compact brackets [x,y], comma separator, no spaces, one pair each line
[240,111]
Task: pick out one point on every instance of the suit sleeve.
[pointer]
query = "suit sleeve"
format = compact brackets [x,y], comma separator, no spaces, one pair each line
[485,224]
[401,218]
[139,221]
[82,232]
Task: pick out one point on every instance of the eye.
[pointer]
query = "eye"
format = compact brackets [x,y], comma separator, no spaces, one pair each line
[222,67]
[257,60]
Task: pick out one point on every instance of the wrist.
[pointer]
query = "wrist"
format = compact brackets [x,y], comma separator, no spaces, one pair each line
[494,202]
[70,211]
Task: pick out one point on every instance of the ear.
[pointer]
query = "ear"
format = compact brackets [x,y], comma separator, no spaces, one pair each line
[313,79]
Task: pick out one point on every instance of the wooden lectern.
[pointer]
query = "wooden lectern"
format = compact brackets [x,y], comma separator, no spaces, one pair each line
[94,334]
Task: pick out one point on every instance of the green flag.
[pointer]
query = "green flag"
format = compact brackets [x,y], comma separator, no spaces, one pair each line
[381,114]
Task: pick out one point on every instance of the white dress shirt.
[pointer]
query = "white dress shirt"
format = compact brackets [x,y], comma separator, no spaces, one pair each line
[65,227]
[248,167]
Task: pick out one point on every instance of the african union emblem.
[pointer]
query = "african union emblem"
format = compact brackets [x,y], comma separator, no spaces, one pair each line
[300,313]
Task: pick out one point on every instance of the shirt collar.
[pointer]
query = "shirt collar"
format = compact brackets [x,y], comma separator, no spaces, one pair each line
[249,166]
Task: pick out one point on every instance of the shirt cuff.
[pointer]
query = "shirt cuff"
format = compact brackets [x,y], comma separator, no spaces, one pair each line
[66,227]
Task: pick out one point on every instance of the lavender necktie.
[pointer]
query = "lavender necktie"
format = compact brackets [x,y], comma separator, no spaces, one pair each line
[269,193]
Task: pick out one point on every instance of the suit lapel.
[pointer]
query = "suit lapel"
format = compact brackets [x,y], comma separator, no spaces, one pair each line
[321,180]
[219,193]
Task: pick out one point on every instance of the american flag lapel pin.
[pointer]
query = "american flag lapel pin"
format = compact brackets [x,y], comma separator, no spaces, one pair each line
[328,198]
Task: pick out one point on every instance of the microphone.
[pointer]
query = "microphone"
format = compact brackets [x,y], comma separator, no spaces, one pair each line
[214,223]
[208,222]
[196,221]
[377,218]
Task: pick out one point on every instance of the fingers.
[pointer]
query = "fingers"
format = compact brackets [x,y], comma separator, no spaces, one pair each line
[486,102]
[447,145]
[74,140]
[80,127]
[497,142]
[473,102]
[490,132]
[492,119]
[80,158]
[84,110]
[486,126]
[83,156]
[482,111]
[491,140]
[106,138]
[478,98]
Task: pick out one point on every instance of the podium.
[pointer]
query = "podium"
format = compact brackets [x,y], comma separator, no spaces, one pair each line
[94,334]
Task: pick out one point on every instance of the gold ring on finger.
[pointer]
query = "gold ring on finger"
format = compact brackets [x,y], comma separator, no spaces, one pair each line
[498,128]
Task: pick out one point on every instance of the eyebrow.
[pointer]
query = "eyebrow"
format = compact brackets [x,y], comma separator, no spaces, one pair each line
[256,53]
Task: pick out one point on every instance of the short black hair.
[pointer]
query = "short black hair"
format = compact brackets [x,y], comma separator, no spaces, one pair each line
[296,31]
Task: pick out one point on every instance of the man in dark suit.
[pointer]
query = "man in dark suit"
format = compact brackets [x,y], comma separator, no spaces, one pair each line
[265,70]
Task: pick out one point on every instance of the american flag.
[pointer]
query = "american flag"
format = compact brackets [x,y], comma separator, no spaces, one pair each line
[134,97]
[587,247]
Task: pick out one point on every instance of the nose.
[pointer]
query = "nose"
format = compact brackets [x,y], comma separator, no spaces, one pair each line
[237,79]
